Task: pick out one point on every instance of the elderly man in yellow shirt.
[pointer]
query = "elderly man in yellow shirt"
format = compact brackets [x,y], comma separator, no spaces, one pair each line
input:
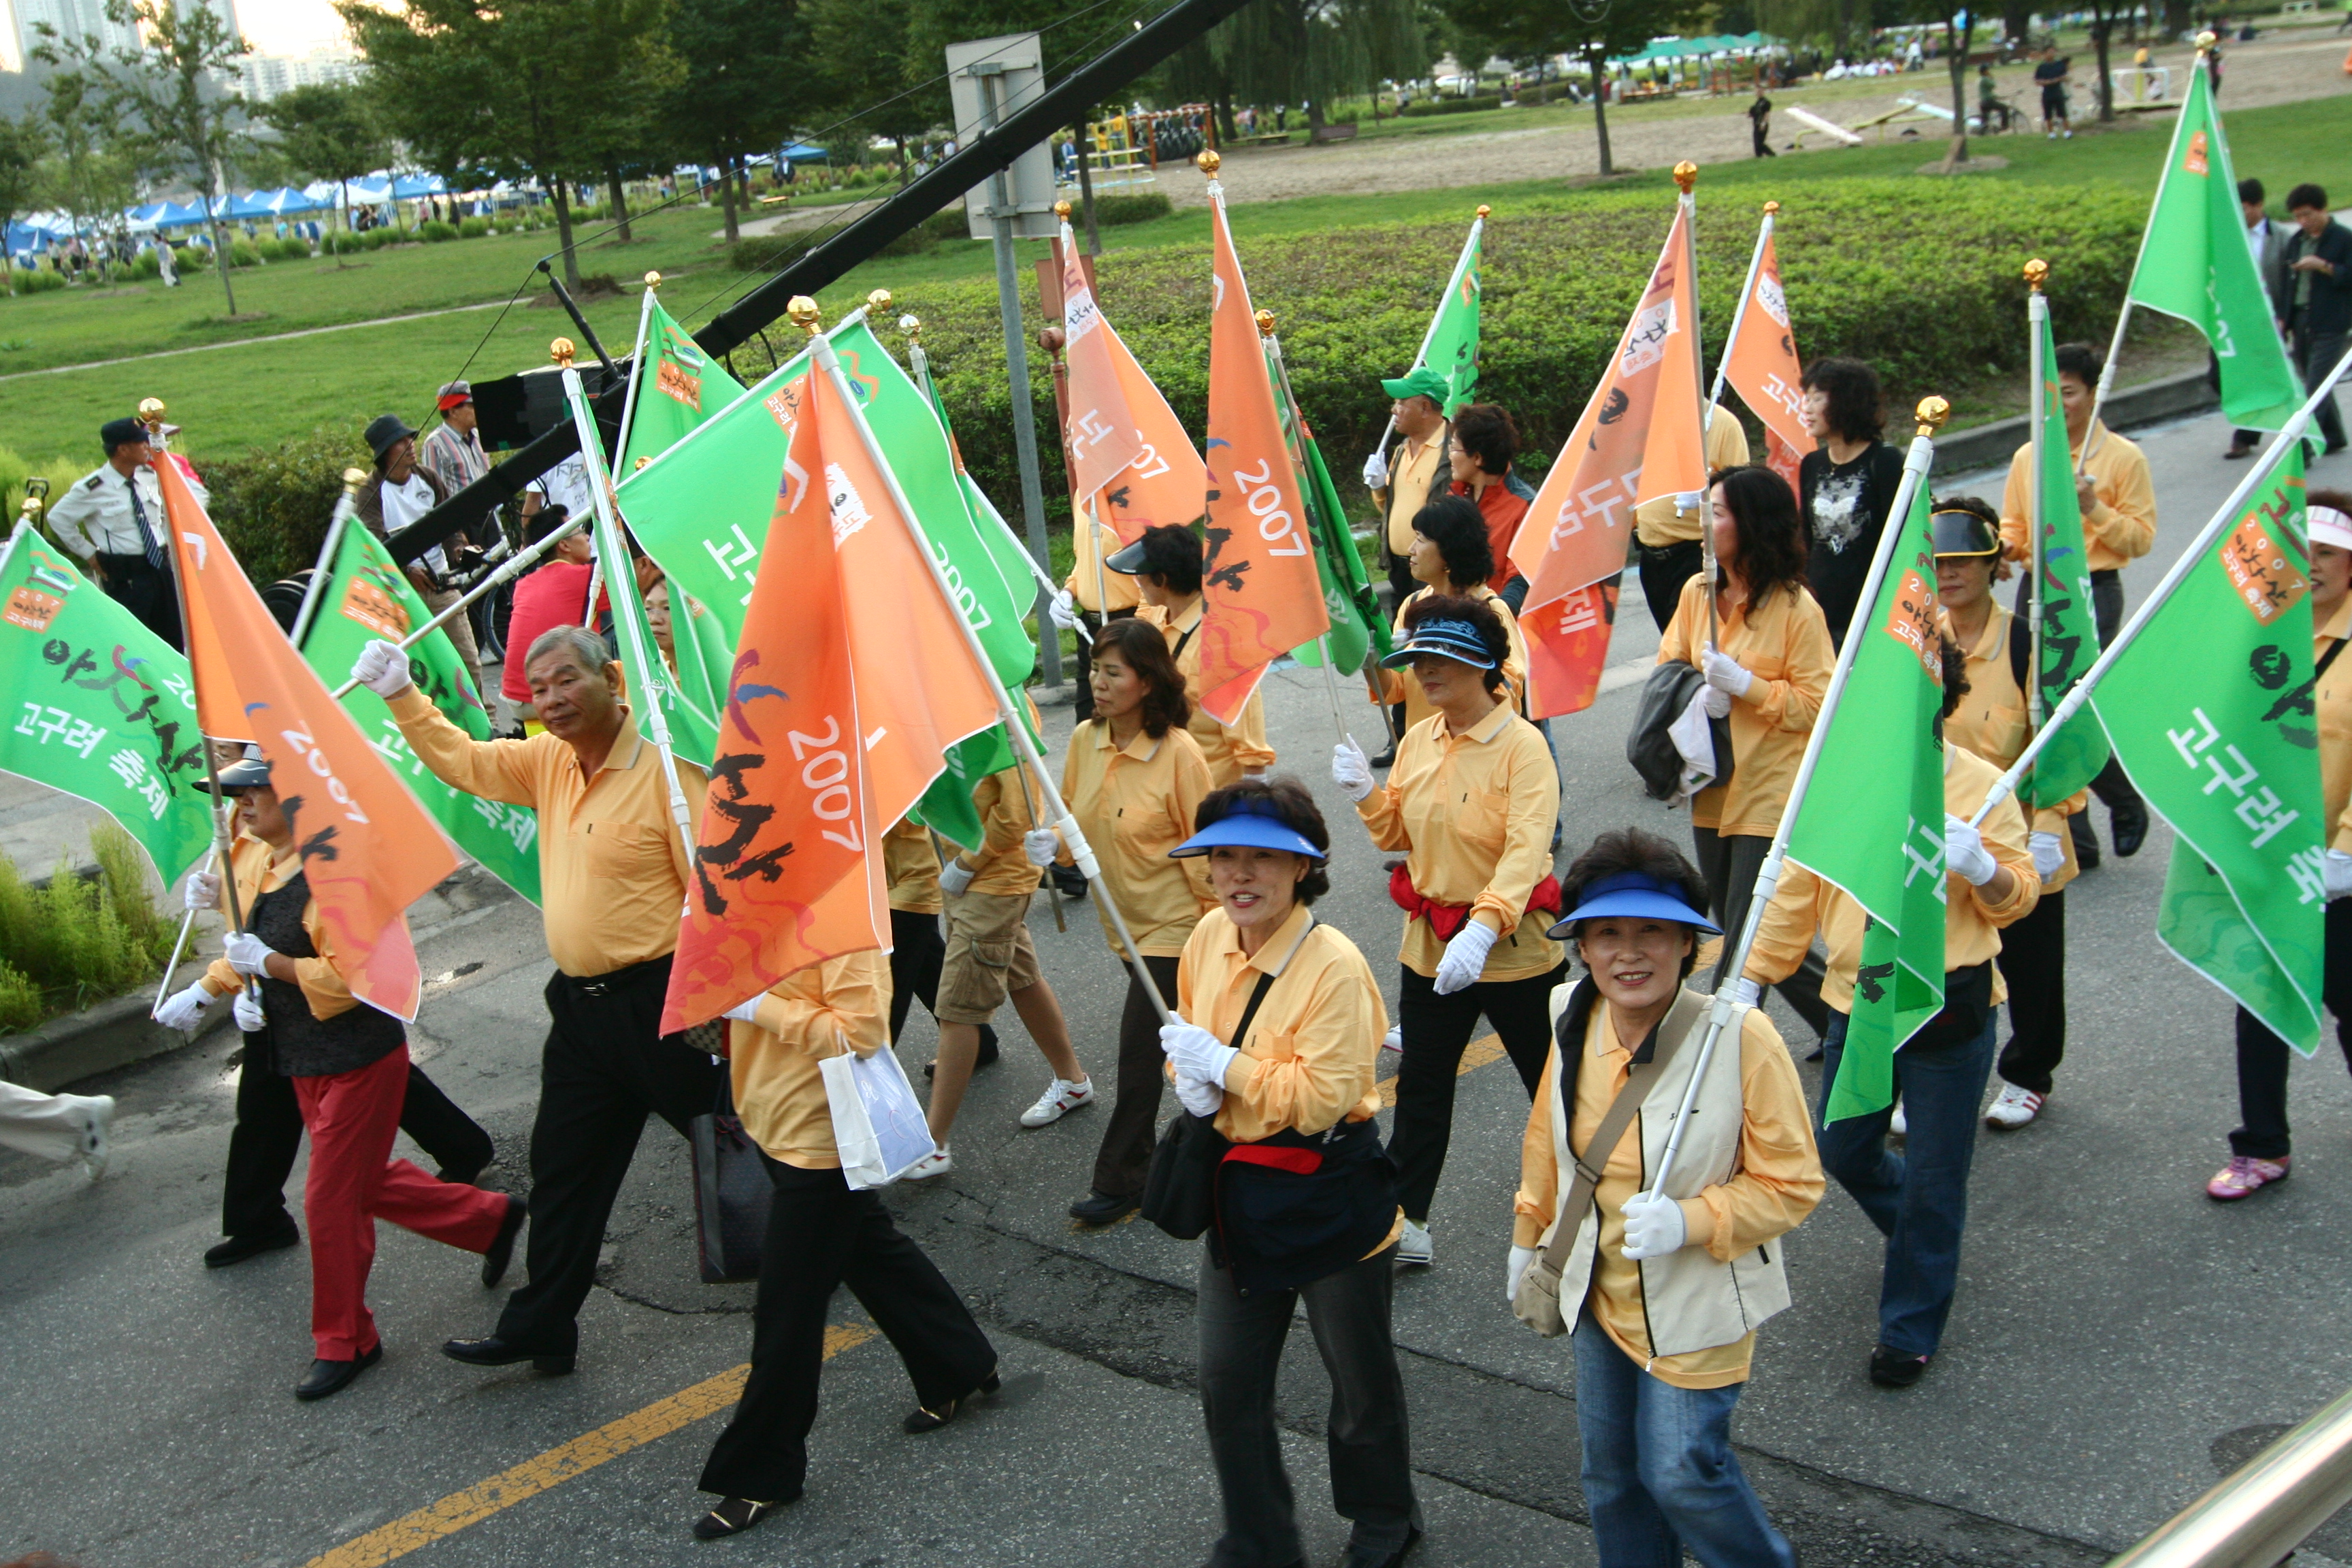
[2118,502]
[1666,530]
[1405,475]
[1165,565]
[614,871]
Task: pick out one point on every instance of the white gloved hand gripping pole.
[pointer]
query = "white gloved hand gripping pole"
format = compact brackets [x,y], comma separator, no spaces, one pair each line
[515,566]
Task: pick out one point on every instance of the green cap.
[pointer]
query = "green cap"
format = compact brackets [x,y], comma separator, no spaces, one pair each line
[1423,382]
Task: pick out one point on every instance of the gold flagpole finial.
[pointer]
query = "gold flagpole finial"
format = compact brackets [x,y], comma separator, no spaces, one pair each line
[352,480]
[1484,209]
[31,510]
[1772,209]
[2037,272]
[912,325]
[653,282]
[2206,40]
[1208,162]
[1933,412]
[1265,320]
[877,304]
[1062,211]
[151,412]
[1685,175]
[804,314]
[561,352]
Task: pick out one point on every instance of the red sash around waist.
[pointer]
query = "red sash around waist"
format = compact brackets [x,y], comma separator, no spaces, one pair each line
[1446,920]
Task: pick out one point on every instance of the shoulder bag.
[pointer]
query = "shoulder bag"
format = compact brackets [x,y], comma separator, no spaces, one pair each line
[1180,1194]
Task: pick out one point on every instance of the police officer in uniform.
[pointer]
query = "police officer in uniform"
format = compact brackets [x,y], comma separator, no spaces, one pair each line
[113,520]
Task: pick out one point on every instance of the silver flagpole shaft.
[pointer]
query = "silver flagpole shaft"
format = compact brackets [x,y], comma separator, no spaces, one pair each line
[1739,316]
[511,569]
[638,361]
[1299,424]
[179,945]
[1933,410]
[345,505]
[2037,313]
[1064,822]
[2221,523]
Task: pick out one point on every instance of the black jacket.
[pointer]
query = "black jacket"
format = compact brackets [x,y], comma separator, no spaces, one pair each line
[2330,309]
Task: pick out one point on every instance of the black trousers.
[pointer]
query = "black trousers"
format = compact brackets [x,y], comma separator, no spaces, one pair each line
[1366,1433]
[2033,961]
[2315,354]
[1664,569]
[2262,1057]
[1125,1157]
[146,591]
[917,951]
[822,1235]
[2112,787]
[1762,132]
[1729,863]
[268,1132]
[1082,703]
[1436,1029]
[604,1067]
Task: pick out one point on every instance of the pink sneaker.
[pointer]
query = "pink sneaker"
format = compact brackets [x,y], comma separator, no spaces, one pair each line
[2244,1176]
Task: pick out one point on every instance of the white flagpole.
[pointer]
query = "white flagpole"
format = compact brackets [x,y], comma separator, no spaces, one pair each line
[345,505]
[513,568]
[1299,424]
[1932,413]
[2037,313]
[1454,282]
[803,311]
[2222,520]
[1739,316]
[638,361]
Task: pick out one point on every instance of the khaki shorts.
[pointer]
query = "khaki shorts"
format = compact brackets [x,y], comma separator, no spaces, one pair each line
[988,954]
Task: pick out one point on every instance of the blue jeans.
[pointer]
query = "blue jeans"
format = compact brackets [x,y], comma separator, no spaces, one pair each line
[1918,1199]
[1659,1473]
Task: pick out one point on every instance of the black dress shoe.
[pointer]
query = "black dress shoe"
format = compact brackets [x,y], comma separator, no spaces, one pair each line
[926,1419]
[237,1248]
[492,1350]
[501,1251]
[733,1516]
[327,1377]
[1893,1369]
[1101,1208]
[1363,1556]
[2129,825]
[1385,760]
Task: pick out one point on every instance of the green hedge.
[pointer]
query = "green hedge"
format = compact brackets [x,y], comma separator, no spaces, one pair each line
[1112,211]
[473,228]
[293,248]
[40,280]
[1421,106]
[78,940]
[435,231]
[273,507]
[346,244]
[1919,279]
[768,252]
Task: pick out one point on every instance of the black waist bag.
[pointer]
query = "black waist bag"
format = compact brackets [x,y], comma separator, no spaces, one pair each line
[1180,1191]
[1664,695]
[732,1194]
[1967,1005]
[1280,1228]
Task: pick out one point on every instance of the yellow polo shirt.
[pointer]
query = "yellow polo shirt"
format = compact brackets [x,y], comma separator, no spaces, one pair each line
[825,1010]
[1229,749]
[1993,722]
[1784,643]
[1662,521]
[2120,527]
[1414,470]
[910,864]
[1135,803]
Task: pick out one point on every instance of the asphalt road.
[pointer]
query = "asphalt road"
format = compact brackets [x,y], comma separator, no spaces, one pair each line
[2118,1342]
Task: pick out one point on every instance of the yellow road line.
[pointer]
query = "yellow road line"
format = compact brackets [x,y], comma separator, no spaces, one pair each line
[559,1464]
[1475,1054]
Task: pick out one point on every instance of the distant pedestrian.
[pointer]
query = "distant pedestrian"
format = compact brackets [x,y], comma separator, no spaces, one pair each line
[1847,485]
[452,452]
[553,593]
[58,1127]
[1760,123]
[2317,290]
[398,492]
[2267,239]
[113,520]
[2050,76]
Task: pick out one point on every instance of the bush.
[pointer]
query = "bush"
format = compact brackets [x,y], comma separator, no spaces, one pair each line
[914,242]
[434,232]
[79,939]
[40,280]
[948,223]
[1110,211]
[272,507]
[346,244]
[293,248]
[61,472]
[1918,279]
[766,252]
[1421,106]
[241,253]
[473,228]
[377,238]
[191,258]
[144,265]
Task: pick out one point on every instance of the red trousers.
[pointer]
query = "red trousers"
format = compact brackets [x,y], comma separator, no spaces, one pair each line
[351,1116]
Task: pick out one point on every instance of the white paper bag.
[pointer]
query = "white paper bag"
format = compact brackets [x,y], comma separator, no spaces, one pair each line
[877,1124]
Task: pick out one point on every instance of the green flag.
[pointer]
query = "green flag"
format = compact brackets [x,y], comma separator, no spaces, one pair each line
[1451,347]
[2194,263]
[2211,711]
[366,597]
[94,704]
[685,386]
[1878,831]
[687,708]
[2070,636]
[1358,627]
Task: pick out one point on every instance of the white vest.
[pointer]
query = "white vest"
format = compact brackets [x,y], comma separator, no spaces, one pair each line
[1690,1301]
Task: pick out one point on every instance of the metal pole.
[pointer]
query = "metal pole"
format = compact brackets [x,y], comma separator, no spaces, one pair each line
[345,505]
[1739,316]
[1299,424]
[1016,369]
[2037,313]
[1421,354]
[2258,1515]
[636,362]
[511,570]
[1932,413]
[1064,823]
[2223,519]
[179,943]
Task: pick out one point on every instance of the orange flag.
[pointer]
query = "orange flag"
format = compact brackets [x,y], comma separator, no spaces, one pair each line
[1167,482]
[1100,438]
[1263,595]
[785,871]
[1762,366]
[368,850]
[1639,439]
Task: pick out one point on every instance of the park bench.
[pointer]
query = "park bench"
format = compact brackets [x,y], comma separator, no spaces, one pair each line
[1323,133]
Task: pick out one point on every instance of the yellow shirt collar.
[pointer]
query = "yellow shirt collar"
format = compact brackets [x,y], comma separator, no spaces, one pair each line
[1280,948]
[1143,748]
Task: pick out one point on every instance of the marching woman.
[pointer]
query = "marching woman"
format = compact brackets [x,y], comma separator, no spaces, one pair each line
[821,1235]
[1767,670]
[1994,721]
[1664,1295]
[2258,1149]
[1166,565]
[1451,554]
[1307,1204]
[1471,801]
[350,1066]
[1133,778]
[1848,483]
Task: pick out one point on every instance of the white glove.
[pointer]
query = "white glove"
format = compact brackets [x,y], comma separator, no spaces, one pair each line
[203,891]
[1376,470]
[2337,871]
[1196,1051]
[1253,775]
[1654,1226]
[955,876]
[1064,611]
[2049,856]
[245,952]
[381,668]
[1716,701]
[1725,673]
[1200,1099]
[1689,501]
[247,1011]
[1522,1258]
[746,1011]
[1351,769]
[1743,993]
[184,1010]
[1465,957]
[1041,845]
[1965,853]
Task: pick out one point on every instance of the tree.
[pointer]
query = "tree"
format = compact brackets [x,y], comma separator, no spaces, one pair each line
[2105,15]
[1592,31]
[23,144]
[869,70]
[1305,51]
[330,133]
[1959,20]
[747,78]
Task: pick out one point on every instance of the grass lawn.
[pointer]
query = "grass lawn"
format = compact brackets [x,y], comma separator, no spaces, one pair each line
[235,398]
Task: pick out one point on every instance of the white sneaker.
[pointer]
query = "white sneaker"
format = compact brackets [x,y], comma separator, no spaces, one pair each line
[1897,1127]
[1061,1098]
[1413,1246]
[937,1163]
[1394,1039]
[2012,1108]
[98,1119]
